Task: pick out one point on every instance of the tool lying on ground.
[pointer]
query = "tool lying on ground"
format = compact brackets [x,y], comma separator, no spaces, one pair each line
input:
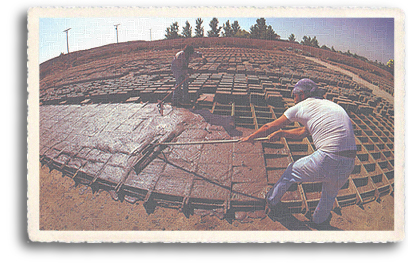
[161,102]
[211,142]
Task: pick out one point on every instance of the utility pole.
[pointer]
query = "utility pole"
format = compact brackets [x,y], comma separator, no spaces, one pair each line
[66,31]
[117,38]
[150,34]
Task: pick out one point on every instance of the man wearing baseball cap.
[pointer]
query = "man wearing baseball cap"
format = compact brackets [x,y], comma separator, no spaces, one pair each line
[332,133]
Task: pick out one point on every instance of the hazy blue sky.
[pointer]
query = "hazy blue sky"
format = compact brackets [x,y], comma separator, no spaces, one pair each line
[372,38]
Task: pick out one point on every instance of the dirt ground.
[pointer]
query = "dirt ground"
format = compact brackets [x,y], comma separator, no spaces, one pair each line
[64,207]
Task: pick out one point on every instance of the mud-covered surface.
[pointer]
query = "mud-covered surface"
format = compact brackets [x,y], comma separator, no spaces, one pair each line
[64,207]
[115,147]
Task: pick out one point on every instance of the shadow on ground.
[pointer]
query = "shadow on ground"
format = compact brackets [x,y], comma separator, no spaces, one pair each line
[227,122]
[291,223]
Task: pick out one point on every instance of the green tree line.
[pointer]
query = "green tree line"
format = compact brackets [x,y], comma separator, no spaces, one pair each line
[257,31]
[260,30]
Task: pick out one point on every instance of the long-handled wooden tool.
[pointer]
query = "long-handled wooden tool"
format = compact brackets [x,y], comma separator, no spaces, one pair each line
[211,142]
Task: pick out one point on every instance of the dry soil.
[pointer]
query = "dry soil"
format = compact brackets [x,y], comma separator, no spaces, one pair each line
[64,207]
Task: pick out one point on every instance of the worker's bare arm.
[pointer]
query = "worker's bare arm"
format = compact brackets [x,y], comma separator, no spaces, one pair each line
[296,134]
[267,129]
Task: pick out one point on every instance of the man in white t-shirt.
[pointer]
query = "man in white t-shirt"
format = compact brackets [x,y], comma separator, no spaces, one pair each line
[333,135]
[179,67]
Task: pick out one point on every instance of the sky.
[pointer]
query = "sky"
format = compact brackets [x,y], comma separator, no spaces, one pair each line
[372,38]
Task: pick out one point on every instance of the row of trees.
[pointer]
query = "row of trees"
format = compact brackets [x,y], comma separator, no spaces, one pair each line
[258,31]
[313,42]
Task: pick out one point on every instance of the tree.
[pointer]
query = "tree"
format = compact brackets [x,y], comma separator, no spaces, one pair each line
[292,38]
[228,31]
[242,34]
[187,30]
[261,31]
[258,29]
[306,41]
[172,31]
[270,34]
[324,47]
[315,43]
[310,42]
[235,28]
[390,66]
[215,30]
[199,30]
[238,32]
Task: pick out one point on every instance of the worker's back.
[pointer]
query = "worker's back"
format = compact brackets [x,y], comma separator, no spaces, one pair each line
[179,64]
[327,122]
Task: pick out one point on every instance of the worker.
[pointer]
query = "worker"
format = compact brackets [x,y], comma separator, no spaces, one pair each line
[333,136]
[179,67]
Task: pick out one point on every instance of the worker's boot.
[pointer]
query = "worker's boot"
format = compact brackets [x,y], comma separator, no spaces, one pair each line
[276,212]
[325,225]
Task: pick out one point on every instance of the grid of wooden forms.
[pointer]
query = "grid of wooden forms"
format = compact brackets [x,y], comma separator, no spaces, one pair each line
[371,178]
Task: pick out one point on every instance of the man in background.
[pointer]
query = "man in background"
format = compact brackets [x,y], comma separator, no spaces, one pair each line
[179,67]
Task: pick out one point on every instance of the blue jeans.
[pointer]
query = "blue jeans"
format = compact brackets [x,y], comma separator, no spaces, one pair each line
[181,92]
[332,170]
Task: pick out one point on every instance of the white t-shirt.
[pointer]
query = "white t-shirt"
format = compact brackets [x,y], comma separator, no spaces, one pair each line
[328,123]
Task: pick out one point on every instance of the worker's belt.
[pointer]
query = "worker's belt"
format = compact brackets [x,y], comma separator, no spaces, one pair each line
[347,153]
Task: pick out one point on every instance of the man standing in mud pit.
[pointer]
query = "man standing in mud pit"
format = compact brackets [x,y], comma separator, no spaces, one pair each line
[333,135]
[179,67]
